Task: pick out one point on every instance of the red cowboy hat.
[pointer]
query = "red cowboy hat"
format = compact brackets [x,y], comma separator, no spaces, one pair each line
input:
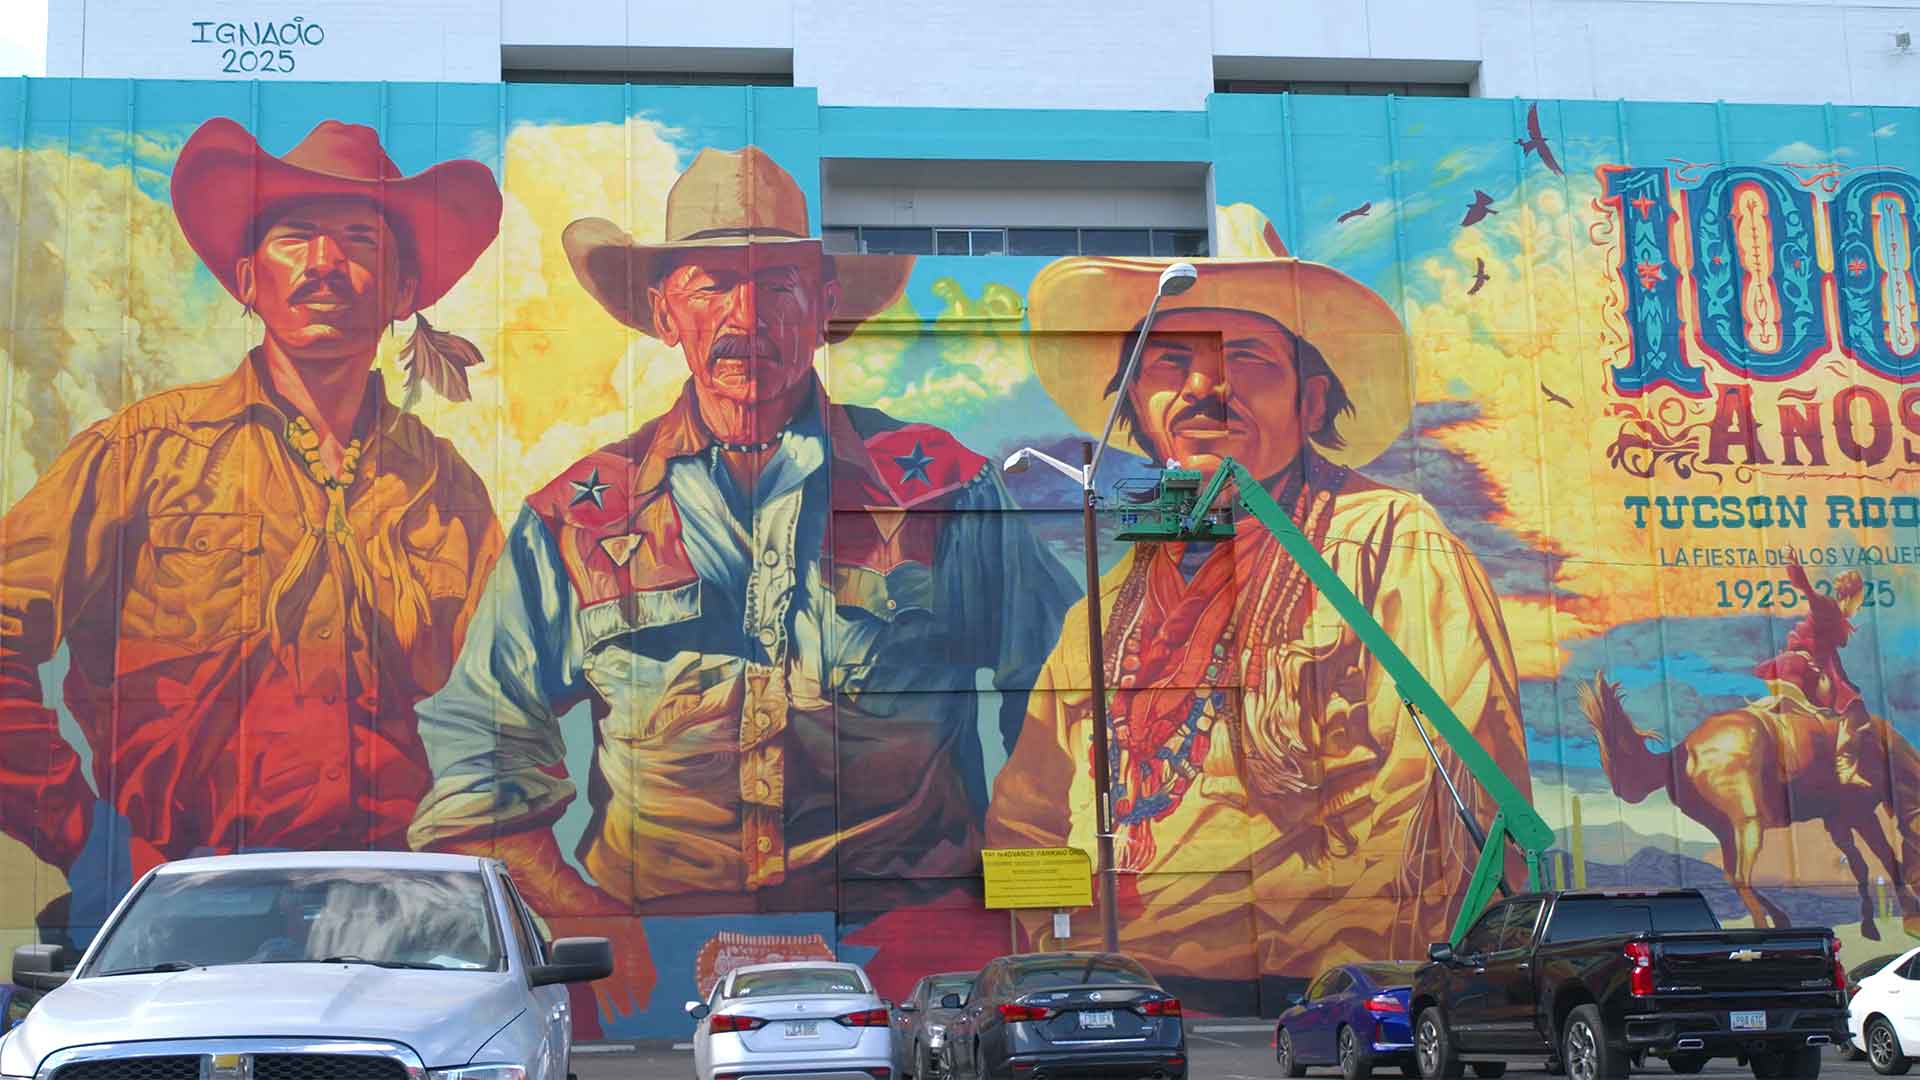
[223,181]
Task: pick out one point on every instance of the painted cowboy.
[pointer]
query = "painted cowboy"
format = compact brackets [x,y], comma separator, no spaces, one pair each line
[255,578]
[1276,812]
[777,606]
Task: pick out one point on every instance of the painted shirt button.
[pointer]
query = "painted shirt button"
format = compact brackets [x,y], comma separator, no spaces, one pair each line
[764,844]
[767,636]
[333,773]
[762,789]
[325,633]
[328,699]
[199,543]
[891,604]
[770,557]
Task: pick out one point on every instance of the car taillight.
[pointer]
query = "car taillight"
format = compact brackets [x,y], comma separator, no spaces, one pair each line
[1385,1003]
[1839,972]
[867,1018]
[1162,1007]
[1014,1014]
[1640,955]
[730,1022]
[880,1072]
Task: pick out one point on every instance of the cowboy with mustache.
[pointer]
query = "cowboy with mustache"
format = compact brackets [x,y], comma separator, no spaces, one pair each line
[1274,810]
[776,605]
[255,578]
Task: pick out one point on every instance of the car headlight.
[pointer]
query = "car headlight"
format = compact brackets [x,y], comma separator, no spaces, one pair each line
[936,1034]
[479,1072]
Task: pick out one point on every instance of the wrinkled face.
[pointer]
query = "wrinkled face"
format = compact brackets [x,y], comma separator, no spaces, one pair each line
[749,319]
[325,278]
[1214,384]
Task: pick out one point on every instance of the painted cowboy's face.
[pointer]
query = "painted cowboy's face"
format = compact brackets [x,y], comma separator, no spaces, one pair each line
[326,279]
[749,319]
[1215,384]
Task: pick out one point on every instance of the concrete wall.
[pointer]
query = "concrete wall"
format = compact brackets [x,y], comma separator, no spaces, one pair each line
[1115,54]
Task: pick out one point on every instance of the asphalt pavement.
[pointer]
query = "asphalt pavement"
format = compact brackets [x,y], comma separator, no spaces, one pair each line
[1219,1050]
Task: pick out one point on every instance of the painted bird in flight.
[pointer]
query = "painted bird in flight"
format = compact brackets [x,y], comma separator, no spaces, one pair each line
[1362,210]
[1482,206]
[1555,398]
[1536,143]
[1479,275]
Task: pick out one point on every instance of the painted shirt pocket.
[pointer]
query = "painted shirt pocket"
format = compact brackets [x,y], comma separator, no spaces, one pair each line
[203,579]
[886,595]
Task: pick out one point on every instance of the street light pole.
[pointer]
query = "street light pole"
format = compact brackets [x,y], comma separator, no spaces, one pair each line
[1102,775]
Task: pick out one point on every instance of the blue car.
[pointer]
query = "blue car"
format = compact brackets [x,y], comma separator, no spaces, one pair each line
[1353,1016]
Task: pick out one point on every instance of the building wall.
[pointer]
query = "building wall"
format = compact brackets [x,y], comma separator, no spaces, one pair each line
[1592,428]
[1118,54]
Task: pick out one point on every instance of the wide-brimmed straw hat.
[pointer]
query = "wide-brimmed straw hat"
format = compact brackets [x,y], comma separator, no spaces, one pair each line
[223,182]
[726,198]
[1081,310]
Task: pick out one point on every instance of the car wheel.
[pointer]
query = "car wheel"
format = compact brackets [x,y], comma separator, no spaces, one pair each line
[1686,1064]
[1489,1070]
[1356,1063]
[1883,1048]
[1433,1049]
[1587,1052]
[1799,1063]
[1283,1053]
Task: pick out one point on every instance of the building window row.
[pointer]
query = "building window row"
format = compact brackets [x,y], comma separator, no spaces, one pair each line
[1317,86]
[926,240]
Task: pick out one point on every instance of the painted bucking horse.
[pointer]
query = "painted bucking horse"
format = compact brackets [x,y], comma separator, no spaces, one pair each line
[1777,760]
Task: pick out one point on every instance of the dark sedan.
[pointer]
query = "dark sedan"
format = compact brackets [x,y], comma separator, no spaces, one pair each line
[1353,1016]
[1046,1016]
[920,1024]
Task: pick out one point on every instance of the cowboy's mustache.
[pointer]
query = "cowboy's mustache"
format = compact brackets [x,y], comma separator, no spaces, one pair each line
[322,287]
[743,347]
[1213,409]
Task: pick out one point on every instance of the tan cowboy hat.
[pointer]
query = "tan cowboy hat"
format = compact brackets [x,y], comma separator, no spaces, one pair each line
[726,198]
[1081,308]
[223,182]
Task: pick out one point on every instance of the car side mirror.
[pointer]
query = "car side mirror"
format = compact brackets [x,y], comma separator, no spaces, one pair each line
[1296,999]
[907,1007]
[698,1010]
[952,1001]
[1440,952]
[42,967]
[575,959]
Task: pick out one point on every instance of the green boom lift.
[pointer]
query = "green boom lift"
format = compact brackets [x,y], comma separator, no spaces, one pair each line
[1184,510]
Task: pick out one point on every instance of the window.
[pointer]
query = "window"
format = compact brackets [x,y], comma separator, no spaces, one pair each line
[1333,982]
[1064,972]
[1485,935]
[940,988]
[1910,970]
[1040,242]
[529,931]
[1320,86]
[1581,918]
[784,982]
[1518,931]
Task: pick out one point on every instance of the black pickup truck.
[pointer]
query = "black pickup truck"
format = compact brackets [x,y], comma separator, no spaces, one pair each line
[1597,979]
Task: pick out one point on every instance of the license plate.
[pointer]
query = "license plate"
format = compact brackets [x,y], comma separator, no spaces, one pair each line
[1101,1019]
[803,1029]
[1748,1021]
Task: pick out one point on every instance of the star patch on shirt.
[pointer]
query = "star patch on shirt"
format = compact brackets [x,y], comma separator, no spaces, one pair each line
[913,465]
[589,490]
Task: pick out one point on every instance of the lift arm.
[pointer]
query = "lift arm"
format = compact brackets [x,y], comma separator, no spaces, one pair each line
[1185,510]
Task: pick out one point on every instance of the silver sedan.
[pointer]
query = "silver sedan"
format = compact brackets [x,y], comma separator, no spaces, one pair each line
[820,1020]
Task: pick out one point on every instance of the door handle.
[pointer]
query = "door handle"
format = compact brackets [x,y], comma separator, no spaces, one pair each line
[1481,970]
[1524,966]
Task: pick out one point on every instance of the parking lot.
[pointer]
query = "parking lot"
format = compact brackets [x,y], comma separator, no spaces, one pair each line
[1220,1050]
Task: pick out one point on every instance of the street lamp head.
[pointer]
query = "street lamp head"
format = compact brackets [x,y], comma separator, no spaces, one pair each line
[1178,278]
[1019,462]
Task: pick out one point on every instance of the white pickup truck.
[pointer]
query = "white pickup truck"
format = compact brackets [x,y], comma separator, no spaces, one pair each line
[323,966]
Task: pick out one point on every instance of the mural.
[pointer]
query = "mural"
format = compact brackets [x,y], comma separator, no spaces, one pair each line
[510,470]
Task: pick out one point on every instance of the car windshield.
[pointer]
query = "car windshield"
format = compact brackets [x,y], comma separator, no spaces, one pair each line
[958,984]
[794,982]
[390,918]
[1388,975]
[1079,971]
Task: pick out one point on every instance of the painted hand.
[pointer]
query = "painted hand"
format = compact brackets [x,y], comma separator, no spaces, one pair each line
[628,990]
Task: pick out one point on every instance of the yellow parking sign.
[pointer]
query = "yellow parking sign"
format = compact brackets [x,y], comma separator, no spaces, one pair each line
[1038,878]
